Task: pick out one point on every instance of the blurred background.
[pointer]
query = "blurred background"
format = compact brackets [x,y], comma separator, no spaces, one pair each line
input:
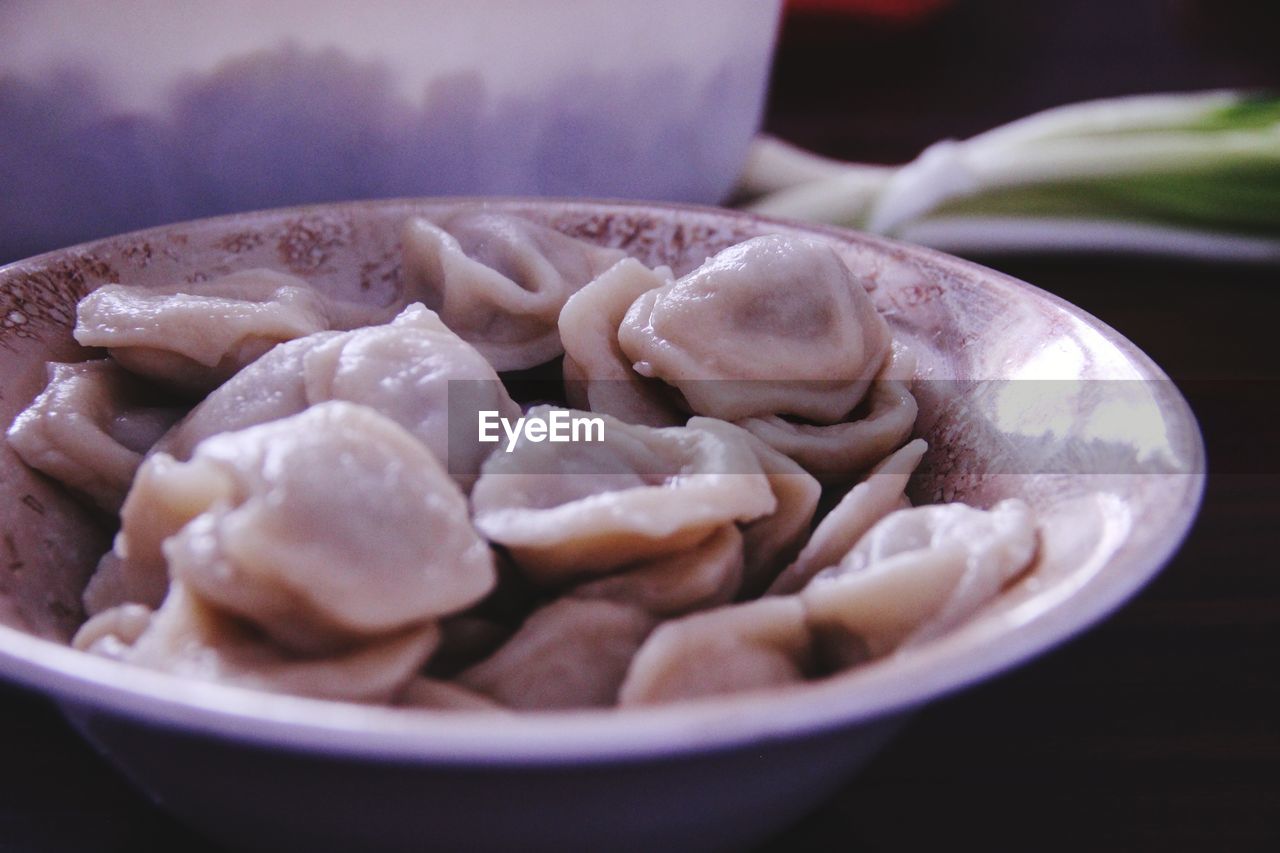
[878,80]
[1158,731]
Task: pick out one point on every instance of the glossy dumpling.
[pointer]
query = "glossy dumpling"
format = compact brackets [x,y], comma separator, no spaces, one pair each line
[707,575]
[916,574]
[340,524]
[195,337]
[413,370]
[271,388]
[565,510]
[598,375]
[572,653]
[880,493]
[499,280]
[189,638]
[835,453]
[751,646]
[89,428]
[328,525]
[775,325]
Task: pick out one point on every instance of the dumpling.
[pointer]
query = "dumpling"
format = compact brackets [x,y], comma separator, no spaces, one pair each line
[194,338]
[342,524]
[716,570]
[565,510]
[776,335]
[189,638]
[749,646]
[330,525]
[271,388]
[413,370]
[572,653]
[879,494]
[499,280]
[916,574]
[89,427]
[597,374]
[707,575]
[777,325]
[834,453]
[772,540]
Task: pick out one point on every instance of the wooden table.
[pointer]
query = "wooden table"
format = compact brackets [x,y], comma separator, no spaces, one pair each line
[1159,730]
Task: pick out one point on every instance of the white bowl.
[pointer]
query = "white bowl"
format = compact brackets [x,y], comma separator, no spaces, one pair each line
[123,117]
[1111,459]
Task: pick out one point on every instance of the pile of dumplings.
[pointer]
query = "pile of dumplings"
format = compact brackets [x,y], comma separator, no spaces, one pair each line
[303,506]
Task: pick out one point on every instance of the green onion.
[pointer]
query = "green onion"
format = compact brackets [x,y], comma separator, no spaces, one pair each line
[1192,174]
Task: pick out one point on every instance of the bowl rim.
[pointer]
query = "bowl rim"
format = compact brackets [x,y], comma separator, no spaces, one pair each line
[84,683]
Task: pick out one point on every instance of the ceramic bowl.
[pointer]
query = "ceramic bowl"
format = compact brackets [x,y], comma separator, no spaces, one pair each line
[124,117]
[1021,395]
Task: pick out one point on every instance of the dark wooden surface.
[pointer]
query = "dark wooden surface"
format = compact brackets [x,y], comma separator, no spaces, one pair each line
[1160,729]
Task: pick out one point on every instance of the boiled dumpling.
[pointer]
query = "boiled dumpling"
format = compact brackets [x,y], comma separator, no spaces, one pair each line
[749,646]
[565,510]
[195,337]
[707,575]
[834,453]
[413,370]
[89,427]
[916,574]
[879,494]
[572,653]
[326,526]
[499,280]
[189,638]
[271,388]
[776,335]
[598,375]
[776,325]
[341,524]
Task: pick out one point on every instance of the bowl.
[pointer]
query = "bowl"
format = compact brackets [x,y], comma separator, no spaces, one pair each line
[113,119]
[1021,394]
